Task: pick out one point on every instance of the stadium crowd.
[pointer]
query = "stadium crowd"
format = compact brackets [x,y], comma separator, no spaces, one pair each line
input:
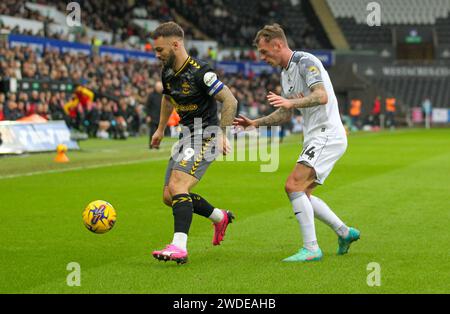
[125,91]
[122,90]
[99,15]
[221,20]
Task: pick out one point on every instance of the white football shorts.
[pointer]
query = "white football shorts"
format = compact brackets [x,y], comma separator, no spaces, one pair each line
[321,152]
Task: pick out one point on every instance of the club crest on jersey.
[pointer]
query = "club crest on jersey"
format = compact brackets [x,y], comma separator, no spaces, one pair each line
[185,88]
[168,86]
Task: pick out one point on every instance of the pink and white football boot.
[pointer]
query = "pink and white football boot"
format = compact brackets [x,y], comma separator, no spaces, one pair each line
[221,227]
[171,253]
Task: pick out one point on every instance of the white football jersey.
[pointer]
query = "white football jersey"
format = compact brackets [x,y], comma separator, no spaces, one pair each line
[303,71]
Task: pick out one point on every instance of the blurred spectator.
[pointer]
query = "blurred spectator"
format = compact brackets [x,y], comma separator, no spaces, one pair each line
[107,123]
[297,124]
[2,115]
[153,109]
[124,118]
[193,52]
[173,122]
[148,47]
[43,111]
[2,106]
[355,112]
[56,107]
[12,111]
[91,119]
[211,54]
[376,110]
[426,110]
[390,112]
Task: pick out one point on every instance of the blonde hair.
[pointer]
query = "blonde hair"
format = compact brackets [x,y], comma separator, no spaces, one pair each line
[270,32]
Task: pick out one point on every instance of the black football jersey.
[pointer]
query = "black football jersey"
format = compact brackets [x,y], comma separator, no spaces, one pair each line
[191,91]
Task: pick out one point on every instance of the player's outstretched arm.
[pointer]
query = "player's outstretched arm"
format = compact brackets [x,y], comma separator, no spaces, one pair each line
[229,106]
[166,111]
[317,97]
[277,117]
[229,102]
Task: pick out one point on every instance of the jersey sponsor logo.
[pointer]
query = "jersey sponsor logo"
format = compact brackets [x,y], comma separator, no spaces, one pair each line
[313,69]
[184,108]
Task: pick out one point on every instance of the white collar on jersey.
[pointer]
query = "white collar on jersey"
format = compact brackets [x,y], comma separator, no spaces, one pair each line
[290,60]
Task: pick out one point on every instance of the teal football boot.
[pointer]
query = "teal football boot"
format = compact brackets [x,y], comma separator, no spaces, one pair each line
[344,243]
[305,255]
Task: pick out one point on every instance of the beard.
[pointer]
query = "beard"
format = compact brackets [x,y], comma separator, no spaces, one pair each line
[170,62]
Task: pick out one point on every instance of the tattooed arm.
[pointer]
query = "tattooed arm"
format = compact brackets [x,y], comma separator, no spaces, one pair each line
[229,106]
[280,116]
[317,97]
[277,117]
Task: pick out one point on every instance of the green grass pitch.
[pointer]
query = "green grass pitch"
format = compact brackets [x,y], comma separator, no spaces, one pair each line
[393,186]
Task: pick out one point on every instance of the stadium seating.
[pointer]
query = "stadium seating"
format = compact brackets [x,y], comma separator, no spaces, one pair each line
[411,91]
[234,23]
[413,12]
[352,14]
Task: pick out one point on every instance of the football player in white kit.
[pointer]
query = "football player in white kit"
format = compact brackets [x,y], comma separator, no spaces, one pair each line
[306,86]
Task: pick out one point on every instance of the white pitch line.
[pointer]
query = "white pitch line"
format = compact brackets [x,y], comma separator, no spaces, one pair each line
[120,163]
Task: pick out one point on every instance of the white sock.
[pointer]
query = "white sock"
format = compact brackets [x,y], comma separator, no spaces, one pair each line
[305,215]
[324,213]
[180,240]
[217,215]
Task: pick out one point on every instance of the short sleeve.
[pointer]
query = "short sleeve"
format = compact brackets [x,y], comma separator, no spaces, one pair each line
[310,71]
[208,81]
[166,86]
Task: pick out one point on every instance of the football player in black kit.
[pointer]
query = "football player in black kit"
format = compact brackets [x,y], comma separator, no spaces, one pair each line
[192,88]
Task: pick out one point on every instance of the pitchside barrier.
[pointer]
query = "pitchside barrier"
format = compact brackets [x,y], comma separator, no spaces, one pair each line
[40,44]
[26,137]
[438,115]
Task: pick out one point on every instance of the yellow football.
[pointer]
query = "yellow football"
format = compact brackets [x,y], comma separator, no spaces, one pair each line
[99,216]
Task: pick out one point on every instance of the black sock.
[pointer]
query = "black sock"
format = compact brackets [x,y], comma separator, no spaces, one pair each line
[201,206]
[182,212]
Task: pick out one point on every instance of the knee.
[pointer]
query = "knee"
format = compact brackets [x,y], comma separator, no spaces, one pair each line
[290,186]
[295,185]
[175,188]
